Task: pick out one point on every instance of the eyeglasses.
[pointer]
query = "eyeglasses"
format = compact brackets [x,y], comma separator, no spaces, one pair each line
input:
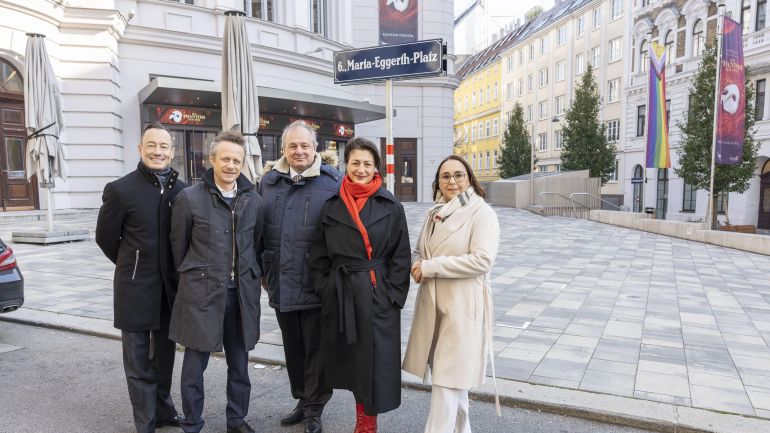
[459,176]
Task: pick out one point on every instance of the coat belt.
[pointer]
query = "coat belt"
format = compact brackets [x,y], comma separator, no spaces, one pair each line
[345,304]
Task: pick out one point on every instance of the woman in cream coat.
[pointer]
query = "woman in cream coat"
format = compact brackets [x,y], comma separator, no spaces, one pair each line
[451,333]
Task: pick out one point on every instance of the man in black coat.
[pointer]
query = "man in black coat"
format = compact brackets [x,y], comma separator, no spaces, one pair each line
[214,236]
[132,231]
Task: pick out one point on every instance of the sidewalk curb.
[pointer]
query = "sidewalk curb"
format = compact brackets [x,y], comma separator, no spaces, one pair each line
[627,411]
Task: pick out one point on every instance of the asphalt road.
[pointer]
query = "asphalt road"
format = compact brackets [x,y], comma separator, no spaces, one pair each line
[61,382]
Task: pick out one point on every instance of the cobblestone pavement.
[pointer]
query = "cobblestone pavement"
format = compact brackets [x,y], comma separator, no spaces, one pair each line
[578,304]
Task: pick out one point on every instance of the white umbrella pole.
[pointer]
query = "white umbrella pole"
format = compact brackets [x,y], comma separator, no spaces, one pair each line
[49,197]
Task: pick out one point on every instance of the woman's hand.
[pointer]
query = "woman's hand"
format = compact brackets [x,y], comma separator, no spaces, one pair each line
[417,271]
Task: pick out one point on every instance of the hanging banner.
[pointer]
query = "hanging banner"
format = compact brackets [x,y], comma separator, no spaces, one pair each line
[731,112]
[658,149]
[398,21]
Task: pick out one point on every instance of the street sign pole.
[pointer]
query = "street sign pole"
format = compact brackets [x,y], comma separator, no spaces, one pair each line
[389,160]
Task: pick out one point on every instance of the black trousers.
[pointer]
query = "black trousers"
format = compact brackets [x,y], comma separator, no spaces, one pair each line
[238,383]
[301,331]
[148,360]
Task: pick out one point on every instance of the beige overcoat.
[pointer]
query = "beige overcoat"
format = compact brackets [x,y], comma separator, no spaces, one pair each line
[452,325]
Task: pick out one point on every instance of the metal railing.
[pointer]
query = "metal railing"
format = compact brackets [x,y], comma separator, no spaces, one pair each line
[557,204]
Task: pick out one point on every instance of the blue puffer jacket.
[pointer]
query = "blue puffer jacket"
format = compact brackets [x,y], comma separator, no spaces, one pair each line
[291,215]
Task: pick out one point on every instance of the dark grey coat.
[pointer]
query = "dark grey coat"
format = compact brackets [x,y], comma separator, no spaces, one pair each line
[202,244]
[132,230]
[370,366]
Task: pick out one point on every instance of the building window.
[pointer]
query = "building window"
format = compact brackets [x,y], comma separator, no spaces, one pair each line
[509,91]
[543,74]
[543,45]
[481,96]
[530,82]
[521,86]
[489,93]
[596,18]
[637,182]
[263,9]
[494,161]
[561,69]
[557,168]
[595,57]
[473,163]
[542,168]
[510,63]
[640,114]
[669,44]
[613,130]
[320,21]
[580,24]
[559,106]
[615,170]
[495,128]
[698,39]
[616,9]
[467,105]
[487,164]
[580,64]
[722,202]
[481,130]
[759,104]
[662,197]
[746,16]
[542,109]
[558,139]
[488,131]
[495,90]
[613,90]
[616,50]
[542,140]
[531,52]
[562,36]
[689,198]
[473,99]
[466,134]
[530,112]
[761,15]
[473,134]
[644,57]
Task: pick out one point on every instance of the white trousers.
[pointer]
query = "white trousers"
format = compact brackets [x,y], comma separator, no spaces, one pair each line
[448,411]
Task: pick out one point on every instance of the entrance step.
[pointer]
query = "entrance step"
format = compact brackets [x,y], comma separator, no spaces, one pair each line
[40,215]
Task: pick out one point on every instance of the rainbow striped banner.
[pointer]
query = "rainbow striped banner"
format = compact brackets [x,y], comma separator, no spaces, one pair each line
[658,149]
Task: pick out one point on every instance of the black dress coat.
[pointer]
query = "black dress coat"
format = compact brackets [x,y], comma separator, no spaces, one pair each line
[361,324]
[203,246]
[132,230]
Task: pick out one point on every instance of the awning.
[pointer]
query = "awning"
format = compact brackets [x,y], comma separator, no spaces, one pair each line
[201,93]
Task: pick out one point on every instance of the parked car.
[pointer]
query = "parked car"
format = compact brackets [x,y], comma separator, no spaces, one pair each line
[11,280]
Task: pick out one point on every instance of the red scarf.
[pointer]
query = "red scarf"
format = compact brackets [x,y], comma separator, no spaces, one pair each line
[354,195]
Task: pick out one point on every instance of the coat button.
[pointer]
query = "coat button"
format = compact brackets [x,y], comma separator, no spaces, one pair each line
[221,284]
[227,253]
[227,231]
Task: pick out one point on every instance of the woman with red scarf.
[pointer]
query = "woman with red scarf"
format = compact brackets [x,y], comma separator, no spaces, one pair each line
[360,263]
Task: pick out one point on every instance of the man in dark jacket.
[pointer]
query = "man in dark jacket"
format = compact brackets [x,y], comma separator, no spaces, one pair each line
[294,192]
[214,236]
[132,230]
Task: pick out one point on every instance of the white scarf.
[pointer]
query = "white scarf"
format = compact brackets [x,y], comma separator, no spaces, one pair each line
[443,210]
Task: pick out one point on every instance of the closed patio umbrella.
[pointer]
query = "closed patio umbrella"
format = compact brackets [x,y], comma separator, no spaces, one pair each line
[240,108]
[43,116]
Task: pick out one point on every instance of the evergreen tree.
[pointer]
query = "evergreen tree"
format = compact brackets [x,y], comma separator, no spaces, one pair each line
[515,156]
[585,145]
[697,137]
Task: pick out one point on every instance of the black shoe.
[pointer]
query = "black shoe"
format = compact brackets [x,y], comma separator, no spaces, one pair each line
[313,424]
[243,428]
[294,417]
[171,422]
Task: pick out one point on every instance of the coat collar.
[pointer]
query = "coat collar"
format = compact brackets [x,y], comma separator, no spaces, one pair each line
[153,179]
[242,183]
[377,209]
[282,166]
[442,231]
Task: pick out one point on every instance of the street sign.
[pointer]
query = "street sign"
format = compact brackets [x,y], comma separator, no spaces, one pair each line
[410,60]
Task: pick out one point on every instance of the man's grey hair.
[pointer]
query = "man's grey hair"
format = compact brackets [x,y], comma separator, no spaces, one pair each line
[299,124]
[228,136]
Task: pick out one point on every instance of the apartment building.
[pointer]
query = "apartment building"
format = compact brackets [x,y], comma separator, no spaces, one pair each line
[685,28]
[545,64]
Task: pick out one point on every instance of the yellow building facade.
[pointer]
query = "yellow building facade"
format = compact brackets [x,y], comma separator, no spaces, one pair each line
[477,122]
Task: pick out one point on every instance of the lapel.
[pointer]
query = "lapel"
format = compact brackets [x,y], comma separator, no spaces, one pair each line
[453,224]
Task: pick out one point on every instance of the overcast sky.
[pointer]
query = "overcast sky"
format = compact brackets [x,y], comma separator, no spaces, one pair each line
[504,11]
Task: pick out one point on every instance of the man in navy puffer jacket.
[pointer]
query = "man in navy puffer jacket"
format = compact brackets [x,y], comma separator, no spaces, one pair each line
[293,193]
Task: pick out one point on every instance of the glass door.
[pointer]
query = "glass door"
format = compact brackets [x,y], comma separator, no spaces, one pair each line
[191,157]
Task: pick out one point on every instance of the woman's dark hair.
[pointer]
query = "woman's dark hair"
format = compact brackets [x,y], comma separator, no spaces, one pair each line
[359,143]
[471,177]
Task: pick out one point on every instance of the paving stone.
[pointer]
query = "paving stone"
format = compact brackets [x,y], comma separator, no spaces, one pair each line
[608,382]
[722,399]
[659,383]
